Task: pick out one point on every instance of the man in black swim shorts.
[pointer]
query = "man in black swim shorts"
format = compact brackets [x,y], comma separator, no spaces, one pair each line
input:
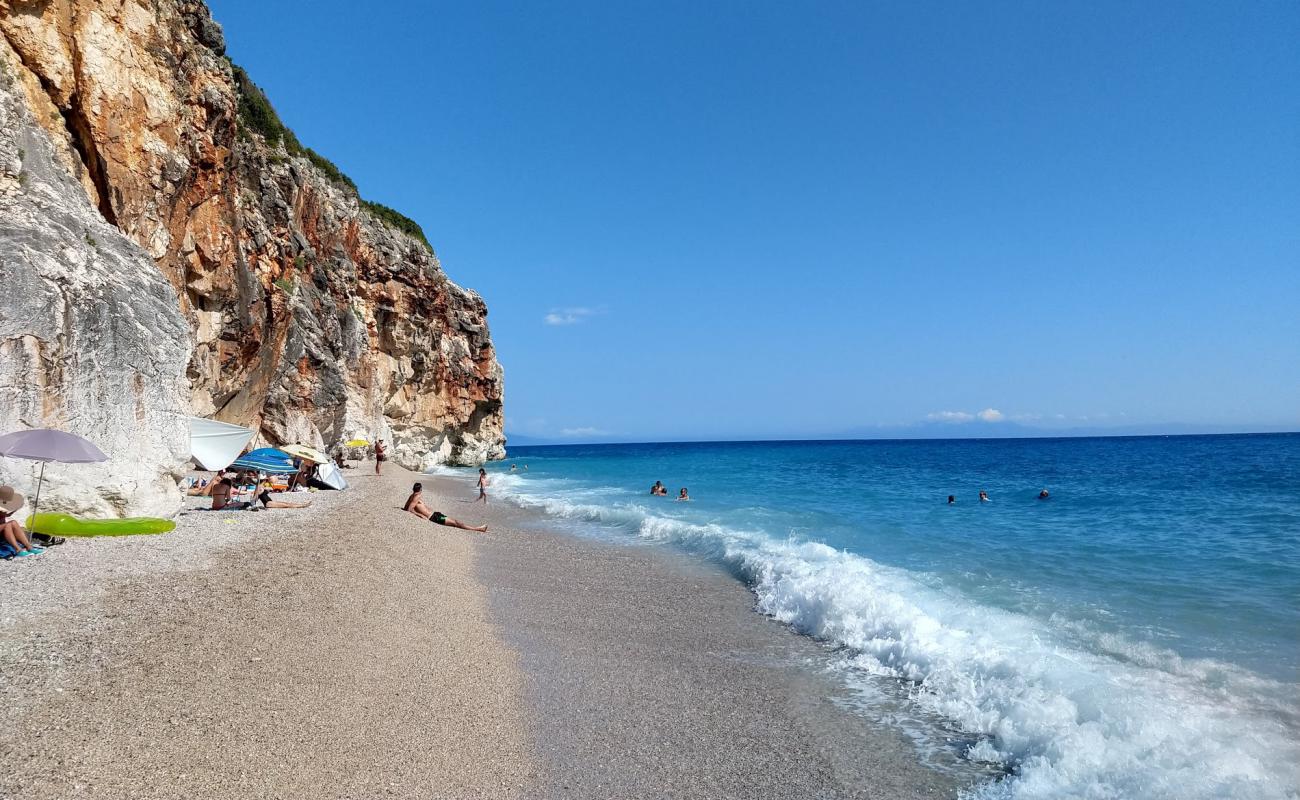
[415,505]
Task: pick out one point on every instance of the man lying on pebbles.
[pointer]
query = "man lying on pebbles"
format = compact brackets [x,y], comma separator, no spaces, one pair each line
[415,505]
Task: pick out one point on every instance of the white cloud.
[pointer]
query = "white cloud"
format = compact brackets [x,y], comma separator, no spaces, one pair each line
[961,417]
[949,416]
[583,431]
[567,316]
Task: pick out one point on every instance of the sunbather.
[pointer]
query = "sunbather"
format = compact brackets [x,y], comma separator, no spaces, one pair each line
[10,530]
[265,497]
[219,490]
[415,505]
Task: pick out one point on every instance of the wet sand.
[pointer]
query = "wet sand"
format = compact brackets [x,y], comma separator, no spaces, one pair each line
[648,674]
[353,651]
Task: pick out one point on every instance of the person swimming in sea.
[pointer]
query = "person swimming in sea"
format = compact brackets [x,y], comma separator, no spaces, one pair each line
[984,496]
[682,495]
[1043,495]
[659,490]
[952,499]
[415,504]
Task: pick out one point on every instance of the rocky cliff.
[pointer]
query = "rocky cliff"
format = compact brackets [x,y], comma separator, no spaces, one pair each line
[314,316]
[92,340]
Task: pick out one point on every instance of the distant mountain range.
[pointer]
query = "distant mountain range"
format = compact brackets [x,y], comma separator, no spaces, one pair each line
[934,430]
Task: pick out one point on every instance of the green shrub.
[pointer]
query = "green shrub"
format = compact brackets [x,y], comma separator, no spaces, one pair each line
[256,114]
[326,166]
[285,285]
[255,111]
[396,219]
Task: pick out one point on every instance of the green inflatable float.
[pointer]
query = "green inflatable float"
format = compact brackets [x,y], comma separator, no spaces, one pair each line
[68,525]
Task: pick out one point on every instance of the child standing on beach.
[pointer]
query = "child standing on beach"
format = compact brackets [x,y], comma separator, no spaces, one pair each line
[482,485]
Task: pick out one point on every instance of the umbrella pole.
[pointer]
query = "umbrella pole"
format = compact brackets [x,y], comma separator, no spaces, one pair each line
[36,504]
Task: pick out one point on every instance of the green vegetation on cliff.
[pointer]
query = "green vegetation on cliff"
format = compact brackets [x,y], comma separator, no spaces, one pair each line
[257,115]
[396,219]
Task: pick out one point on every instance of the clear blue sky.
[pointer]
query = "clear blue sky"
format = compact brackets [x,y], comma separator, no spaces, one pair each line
[781,219]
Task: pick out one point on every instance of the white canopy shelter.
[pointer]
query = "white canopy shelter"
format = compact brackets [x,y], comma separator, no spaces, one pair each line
[213,445]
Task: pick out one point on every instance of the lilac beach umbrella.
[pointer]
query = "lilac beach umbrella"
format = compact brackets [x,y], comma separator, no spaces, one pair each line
[46,445]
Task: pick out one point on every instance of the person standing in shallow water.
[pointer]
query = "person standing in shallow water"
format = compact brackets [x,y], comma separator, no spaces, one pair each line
[482,485]
[381,455]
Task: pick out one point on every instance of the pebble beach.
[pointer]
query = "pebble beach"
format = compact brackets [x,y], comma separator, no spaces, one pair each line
[351,650]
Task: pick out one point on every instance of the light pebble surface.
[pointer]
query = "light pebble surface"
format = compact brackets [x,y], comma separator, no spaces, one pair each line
[351,650]
[339,651]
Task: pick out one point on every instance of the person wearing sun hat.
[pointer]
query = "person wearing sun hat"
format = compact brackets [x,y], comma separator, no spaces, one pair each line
[13,533]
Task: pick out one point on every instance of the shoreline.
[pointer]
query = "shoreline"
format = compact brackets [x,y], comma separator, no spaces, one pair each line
[278,654]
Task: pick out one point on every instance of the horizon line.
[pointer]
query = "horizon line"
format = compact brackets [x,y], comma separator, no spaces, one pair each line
[579,443]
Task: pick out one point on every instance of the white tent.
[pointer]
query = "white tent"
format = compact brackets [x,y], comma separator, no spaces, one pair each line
[213,445]
[329,475]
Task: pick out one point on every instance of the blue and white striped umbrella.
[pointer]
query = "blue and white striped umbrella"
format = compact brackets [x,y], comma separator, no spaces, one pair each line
[265,459]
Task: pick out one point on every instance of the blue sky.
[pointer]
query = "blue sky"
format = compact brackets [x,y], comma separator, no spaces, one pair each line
[761,219]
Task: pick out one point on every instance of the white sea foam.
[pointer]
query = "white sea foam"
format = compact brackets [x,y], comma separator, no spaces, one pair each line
[1110,719]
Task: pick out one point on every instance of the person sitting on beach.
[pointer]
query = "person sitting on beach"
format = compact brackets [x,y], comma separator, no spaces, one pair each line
[219,490]
[306,470]
[415,505]
[984,496]
[265,497]
[11,530]
[682,495]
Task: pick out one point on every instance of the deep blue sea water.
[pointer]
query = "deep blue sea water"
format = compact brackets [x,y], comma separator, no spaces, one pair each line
[1135,635]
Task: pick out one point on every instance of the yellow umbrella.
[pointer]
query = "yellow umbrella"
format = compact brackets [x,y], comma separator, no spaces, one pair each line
[303,451]
[356,443]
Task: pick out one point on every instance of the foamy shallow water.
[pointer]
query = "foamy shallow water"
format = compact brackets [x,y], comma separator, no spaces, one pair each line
[1067,650]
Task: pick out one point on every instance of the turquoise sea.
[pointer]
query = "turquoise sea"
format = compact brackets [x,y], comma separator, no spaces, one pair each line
[1135,635]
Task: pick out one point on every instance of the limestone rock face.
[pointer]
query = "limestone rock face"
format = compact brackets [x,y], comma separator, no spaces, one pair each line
[312,318]
[92,340]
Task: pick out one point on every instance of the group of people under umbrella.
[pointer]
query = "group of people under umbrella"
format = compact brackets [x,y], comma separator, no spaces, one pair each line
[264,470]
[267,469]
[302,464]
